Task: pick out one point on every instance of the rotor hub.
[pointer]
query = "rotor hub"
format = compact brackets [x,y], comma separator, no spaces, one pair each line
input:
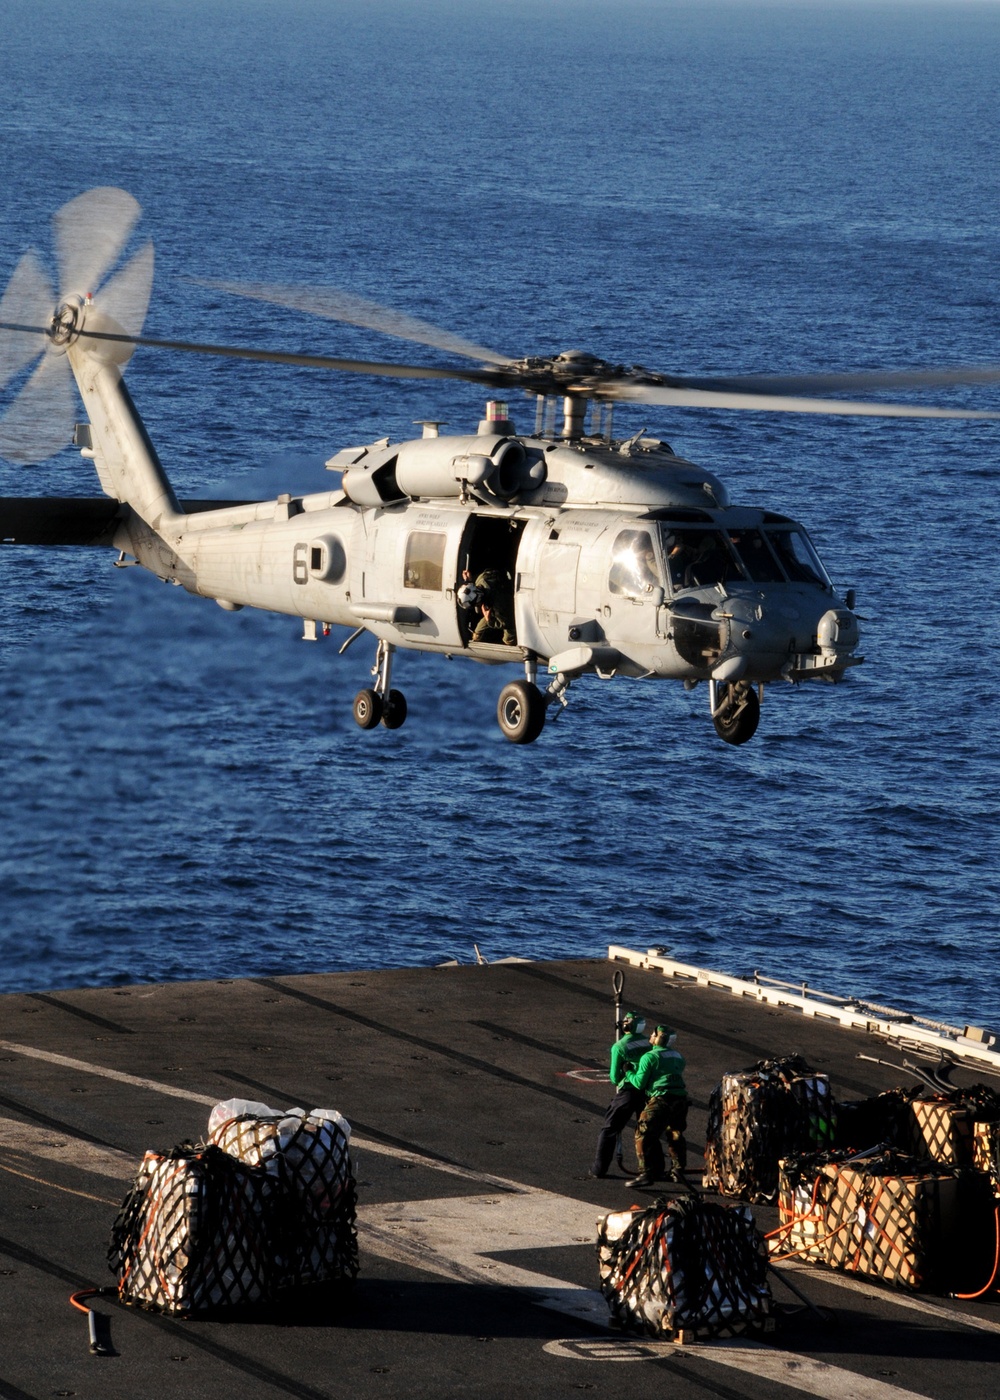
[66,324]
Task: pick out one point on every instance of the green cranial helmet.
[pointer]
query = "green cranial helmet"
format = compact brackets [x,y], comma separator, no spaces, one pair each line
[633,1023]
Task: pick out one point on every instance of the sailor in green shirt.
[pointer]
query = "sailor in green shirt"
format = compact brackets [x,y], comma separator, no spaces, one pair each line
[626,1053]
[660,1076]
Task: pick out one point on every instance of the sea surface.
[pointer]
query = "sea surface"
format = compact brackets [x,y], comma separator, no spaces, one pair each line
[720,188]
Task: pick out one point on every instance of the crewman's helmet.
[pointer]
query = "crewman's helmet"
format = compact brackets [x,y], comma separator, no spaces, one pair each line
[469,596]
[633,1023]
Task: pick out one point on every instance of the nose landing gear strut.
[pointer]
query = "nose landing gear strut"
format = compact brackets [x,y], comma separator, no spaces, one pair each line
[737,714]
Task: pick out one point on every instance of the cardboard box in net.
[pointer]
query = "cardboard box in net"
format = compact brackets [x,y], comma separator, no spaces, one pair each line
[888,1217]
[891,1227]
[940,1130]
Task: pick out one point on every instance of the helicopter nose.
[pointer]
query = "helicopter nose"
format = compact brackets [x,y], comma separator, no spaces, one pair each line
[776,636]
[836,637]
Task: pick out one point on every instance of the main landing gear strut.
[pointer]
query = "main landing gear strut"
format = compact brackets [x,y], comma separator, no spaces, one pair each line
[522,707]
[379,702]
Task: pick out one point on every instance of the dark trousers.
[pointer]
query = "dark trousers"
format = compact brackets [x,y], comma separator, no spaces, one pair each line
[626,1102]
[663,1113]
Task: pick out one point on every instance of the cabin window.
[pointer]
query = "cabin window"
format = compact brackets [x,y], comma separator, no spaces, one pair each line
[424,564]
[634,571]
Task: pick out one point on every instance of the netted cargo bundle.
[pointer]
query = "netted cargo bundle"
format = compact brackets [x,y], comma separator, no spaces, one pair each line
[885,1215]
[937,1127]
[941,1128]
[803,1199]
[757,1117]
[308,1156]
[194,1233]
[891,1226]
[688,1267]
[806,1185]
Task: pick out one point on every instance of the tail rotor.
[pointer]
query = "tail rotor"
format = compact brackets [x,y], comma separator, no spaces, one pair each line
[90,234]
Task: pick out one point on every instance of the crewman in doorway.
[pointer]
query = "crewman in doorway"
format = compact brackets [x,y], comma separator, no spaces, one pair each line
[492,598]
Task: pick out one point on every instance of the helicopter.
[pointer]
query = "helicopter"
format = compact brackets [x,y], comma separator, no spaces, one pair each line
[565,551]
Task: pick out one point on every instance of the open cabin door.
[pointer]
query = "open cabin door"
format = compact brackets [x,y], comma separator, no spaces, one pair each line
[489,555]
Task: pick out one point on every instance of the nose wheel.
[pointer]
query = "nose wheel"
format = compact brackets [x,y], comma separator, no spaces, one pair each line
[380,703]
[737,715]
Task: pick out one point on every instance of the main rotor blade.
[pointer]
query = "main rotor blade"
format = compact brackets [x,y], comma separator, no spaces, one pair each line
[824,383]
[28,301]
[336,305]
[771,403]
[388,369]
[90,233]
[39,423]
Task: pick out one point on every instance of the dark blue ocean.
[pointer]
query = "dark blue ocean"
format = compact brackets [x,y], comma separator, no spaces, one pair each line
[720,188]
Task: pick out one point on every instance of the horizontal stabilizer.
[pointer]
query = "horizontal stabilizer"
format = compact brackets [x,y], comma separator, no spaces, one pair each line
[79,520]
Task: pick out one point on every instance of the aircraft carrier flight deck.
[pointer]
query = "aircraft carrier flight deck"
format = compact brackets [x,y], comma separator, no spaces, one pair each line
[475,1094]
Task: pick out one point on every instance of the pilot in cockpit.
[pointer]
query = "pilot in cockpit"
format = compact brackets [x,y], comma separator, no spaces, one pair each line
[698,559]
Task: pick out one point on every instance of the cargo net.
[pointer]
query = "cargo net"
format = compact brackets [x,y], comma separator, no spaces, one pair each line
[194,1233]
[937,1127]
[685,1266]
[307,1155]
[757,1117]
[885,1215]
[267,1206]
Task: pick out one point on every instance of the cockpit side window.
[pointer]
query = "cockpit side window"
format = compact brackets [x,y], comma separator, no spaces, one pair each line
[699,558]
[634,571]
[799,559]
[759,562]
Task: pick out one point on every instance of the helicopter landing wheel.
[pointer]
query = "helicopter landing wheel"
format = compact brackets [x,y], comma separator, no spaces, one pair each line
[394,709]
[367,708]
[521,712]
[738,716]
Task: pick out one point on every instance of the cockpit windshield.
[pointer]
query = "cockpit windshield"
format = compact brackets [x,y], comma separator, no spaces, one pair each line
[759,562]
[703,556]
[798,558]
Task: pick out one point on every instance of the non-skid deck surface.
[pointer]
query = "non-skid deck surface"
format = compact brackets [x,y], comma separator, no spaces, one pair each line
[475,1095]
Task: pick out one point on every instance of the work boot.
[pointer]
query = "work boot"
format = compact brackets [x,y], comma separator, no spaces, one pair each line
[643,1179]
